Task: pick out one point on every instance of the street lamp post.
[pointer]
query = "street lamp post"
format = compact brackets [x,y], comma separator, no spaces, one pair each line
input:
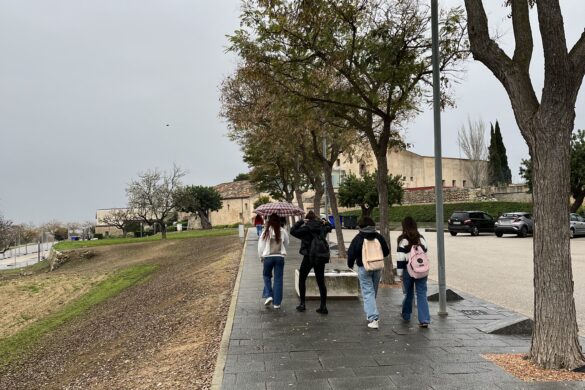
[438,159]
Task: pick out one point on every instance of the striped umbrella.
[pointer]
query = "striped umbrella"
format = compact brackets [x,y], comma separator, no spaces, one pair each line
[282,209]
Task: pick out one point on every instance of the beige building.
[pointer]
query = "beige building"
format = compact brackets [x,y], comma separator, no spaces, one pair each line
[416,170]
[237,199]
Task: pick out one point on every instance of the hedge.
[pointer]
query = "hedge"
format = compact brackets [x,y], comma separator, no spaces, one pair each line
[426,212]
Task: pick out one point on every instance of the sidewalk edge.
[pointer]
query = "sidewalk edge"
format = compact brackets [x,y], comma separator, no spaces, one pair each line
[217,380]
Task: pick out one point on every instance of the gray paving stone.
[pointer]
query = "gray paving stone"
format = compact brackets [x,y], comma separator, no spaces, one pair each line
[304,375]
[318,384]
[348,362]
[262,377]
[285,349]
[362,383]
[314,364]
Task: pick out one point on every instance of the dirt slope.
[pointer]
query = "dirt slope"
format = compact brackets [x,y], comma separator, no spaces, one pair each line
[163,333]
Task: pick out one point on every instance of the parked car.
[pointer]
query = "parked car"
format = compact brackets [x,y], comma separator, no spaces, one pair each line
[473,222]
[576,225]
[518,223]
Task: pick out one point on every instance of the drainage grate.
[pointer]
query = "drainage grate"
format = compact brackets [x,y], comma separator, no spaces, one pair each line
[474,312]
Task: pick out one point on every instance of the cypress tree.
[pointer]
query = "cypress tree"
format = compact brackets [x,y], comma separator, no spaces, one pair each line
[498,170]
[505,174]
[493,159]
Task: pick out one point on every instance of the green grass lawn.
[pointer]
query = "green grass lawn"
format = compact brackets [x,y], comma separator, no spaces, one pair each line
[14,346]
[65,245]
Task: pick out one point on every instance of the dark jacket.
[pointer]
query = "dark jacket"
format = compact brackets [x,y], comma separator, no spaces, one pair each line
[354,253]
[306,231]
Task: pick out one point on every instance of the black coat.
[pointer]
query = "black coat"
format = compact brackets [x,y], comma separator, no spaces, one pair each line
[306,231]
[354,253]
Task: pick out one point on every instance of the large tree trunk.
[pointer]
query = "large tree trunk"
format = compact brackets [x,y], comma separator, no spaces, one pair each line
[205,223]
[333,202]
[382,183]
[555,338]
[299,196]
[317,199]
[163,230]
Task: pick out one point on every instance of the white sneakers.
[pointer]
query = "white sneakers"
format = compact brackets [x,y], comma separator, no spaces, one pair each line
[276,306]
[373,324]
[267,301]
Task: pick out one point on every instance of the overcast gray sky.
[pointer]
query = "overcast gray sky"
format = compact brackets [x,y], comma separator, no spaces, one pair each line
[87,89]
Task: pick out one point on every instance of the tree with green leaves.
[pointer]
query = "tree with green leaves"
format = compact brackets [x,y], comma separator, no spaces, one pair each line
[242,177]
[281,136]
[363,192]
[546,123]
[498,170]
[367,63]
[200,200]
[261,200]
[577,171]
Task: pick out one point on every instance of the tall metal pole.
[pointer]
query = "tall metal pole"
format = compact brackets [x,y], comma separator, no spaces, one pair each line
[438,160]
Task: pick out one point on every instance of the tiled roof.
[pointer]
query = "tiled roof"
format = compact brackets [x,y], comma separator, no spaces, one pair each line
[236,189]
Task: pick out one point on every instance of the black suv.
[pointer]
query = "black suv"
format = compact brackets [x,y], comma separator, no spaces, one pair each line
[473,222]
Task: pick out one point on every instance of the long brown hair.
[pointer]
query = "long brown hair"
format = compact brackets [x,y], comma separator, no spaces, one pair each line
[274,223]
[409,231]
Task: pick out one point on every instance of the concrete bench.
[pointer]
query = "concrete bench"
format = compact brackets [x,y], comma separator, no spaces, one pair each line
[341,283]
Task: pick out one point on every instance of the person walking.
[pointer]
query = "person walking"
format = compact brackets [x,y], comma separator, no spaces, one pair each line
[272,245]
[409,237]
[369,279]
[259,223]
[308,230]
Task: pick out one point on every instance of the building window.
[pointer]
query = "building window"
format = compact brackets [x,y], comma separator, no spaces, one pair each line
[443,182]
[464,183]
[411,178]
[338,162]
[246,206]
[228,207]
[453,183]
[362,169]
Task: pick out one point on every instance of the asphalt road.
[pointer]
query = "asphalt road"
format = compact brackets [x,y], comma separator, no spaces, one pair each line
[498,270]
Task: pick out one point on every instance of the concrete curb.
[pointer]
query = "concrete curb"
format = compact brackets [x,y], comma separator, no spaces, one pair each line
[217,380]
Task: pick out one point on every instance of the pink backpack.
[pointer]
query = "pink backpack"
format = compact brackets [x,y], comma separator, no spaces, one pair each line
[418,262]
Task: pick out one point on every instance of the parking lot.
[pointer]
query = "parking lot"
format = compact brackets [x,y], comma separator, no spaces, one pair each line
[498,270]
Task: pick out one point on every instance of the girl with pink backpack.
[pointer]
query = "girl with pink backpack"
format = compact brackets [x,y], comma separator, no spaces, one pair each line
[412,249]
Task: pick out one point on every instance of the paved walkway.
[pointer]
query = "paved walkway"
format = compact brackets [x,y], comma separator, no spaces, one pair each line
[285,349]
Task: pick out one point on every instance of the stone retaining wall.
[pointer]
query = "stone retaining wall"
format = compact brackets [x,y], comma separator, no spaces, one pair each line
[514,193]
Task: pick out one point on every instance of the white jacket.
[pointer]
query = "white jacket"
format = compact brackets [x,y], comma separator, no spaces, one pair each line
[264,244]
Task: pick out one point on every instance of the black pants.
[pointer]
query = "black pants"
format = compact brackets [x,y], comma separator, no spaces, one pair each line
[319,275]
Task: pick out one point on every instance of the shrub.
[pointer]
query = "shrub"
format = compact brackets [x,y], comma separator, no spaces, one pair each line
[99,236]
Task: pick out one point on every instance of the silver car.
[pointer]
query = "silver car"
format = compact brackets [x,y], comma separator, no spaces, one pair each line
[519,223]
[576,225]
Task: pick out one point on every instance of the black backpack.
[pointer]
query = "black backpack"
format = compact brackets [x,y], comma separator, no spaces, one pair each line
[319,249]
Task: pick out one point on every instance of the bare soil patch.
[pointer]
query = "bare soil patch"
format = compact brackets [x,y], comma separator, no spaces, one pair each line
[25,300]
[163,333]
[522,368]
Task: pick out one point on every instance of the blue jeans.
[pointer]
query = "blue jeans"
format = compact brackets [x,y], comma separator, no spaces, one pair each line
[270,263]
[409,284]
[369,281]
[259,229]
